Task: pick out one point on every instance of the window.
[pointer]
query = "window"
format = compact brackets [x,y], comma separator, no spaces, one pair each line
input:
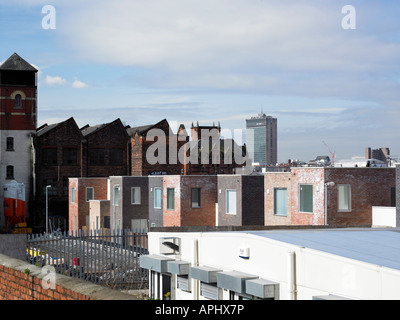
[135,195]
[89,193]
[195,198]
[72,195]
[70,156]
[116,156]
[306,198]
[231,201]
[209,290]
[280,201]
[107,222]
[18,101]
[344,197]
[49,156]
[157,198]
[10,172]
[10,144]
[116,196]
[183,283]
[170,199]
[96,156]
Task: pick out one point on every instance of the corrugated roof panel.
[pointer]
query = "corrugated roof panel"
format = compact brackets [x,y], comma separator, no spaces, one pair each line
[377,247]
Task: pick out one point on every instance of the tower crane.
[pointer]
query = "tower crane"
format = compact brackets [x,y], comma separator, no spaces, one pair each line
[332,153]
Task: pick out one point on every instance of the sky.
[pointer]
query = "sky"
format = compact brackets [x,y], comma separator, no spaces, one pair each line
[330,75]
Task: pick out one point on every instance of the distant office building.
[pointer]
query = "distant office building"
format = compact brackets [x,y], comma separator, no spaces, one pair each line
[261,141]
[379,154]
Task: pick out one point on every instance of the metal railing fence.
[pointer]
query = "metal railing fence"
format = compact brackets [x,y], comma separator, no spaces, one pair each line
[105,257]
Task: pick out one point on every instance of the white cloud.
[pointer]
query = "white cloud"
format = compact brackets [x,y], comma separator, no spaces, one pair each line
[243,52]
[52,81]
[79,84]
[295,47]
[59,81]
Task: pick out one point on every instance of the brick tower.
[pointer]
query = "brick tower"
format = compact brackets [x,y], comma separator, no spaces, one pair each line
[18,119]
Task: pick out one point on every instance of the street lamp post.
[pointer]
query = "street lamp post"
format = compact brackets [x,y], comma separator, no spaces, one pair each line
[47,209]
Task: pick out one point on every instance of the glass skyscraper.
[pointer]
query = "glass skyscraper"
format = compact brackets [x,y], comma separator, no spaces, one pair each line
[261,139]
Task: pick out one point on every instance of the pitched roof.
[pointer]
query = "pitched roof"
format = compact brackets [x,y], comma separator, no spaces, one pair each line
[88,130]
[16,63]
[140,130]
[46,128]
[91,129]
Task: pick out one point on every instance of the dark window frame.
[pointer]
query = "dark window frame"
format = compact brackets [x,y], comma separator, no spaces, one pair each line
[10,172]
[70,156]
[49,156]
[170,198]
[18,101]
[10,144]
[192,200]
[116,157]
[97,156]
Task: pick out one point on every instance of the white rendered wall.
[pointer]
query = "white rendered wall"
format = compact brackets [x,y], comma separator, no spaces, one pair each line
[384,217]
[317,273]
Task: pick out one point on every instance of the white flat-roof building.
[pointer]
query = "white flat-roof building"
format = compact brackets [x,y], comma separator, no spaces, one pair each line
[361,163]
[303,264]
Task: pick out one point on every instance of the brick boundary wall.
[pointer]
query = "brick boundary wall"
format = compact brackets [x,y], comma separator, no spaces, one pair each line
[17,283]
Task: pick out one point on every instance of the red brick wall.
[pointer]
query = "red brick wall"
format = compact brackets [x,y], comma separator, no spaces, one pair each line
[73,206]
[10,121]
[172,218]
[204,216]
[315,177]
[136,155]
[17,284]
[139,147]
[66,134]
[81,207]
[184,214]
[111,136]
[369,187]
[276,180]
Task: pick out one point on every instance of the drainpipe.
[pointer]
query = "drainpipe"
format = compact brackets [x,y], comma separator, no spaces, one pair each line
[33,166]
[292,276]
[195,264]
[327,184]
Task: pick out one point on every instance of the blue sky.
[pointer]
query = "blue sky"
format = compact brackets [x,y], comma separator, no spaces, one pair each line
[219,61]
